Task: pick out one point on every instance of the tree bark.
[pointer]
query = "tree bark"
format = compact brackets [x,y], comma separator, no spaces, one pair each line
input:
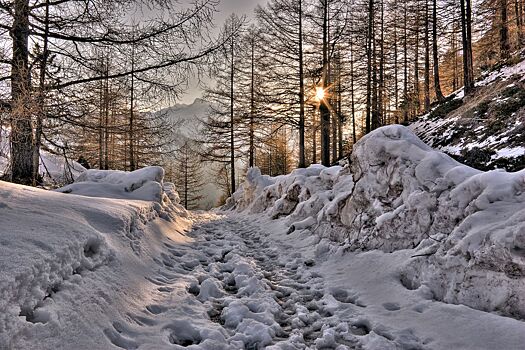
[325,112]
[302,158]
[435,54]
[21,126]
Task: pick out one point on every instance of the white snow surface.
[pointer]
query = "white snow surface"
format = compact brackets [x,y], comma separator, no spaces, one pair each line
[323,258]
[143,184]
[465,228]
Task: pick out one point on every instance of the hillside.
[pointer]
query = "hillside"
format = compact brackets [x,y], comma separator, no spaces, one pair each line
[485,130]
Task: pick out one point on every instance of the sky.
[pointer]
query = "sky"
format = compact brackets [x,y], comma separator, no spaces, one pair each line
[226,8]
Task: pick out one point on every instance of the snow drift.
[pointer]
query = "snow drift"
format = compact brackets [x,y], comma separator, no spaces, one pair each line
[72,264]
[466,227]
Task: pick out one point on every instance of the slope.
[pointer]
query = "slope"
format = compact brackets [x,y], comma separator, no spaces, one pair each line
[485,130]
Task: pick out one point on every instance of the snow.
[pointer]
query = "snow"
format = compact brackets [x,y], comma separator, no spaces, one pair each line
[55,169]
[504,74]
[143,184]
[404,248]
[399,194]
[509,152]
[74,266]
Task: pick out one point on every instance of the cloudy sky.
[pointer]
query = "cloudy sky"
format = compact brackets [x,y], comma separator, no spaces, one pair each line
[226,8]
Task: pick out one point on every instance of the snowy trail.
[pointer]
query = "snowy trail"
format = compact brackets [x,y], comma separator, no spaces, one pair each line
[233,288]
[241,283]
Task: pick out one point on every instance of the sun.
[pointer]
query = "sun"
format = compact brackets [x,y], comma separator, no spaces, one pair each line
[319,93]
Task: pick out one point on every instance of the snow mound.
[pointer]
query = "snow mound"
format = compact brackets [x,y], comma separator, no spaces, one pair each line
[466,227]
[305,197]
[72,265]
[143,184]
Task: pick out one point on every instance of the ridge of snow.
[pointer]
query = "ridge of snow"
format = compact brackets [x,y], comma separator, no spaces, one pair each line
[70,263]
[398,193]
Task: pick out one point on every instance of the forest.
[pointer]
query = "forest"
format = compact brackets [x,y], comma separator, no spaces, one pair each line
[297,83]
[295,175]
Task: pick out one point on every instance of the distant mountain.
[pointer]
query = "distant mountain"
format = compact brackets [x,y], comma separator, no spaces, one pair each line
[187,117]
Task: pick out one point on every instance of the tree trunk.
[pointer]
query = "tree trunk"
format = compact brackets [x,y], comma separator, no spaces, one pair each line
[427,60]
[380,97]
[21,126]
[435,54]
[252,105]
[405,65]
[519,24]
[352,93]
[466,39]
[101,122]
[368,121]
[302,158]
[396,92]
[416,65]
[132,165]
[325,112]
[504,31]
[232,120]
[106,117]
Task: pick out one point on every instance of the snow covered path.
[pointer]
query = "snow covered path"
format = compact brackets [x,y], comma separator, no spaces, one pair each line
[242,284]
[233,289]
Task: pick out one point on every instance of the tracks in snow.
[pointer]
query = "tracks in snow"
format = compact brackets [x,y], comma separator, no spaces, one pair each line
[234,288]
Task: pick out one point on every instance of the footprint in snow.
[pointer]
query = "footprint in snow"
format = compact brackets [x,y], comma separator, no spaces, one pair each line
[391,306]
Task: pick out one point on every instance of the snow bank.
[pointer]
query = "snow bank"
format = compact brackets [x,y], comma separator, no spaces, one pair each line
[73,267]
[143,184]
[305,197]
[466,227]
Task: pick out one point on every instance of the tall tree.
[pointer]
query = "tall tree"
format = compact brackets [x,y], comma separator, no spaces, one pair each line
[323,89]
[466,40]
[435,53]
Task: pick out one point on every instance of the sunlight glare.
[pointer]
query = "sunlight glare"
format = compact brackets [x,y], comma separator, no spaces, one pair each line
[319,93]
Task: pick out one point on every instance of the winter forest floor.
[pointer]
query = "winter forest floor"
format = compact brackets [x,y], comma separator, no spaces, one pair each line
[403,249]
[250,286]
[265,288]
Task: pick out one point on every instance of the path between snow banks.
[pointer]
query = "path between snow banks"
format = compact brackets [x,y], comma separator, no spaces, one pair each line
[243,284]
